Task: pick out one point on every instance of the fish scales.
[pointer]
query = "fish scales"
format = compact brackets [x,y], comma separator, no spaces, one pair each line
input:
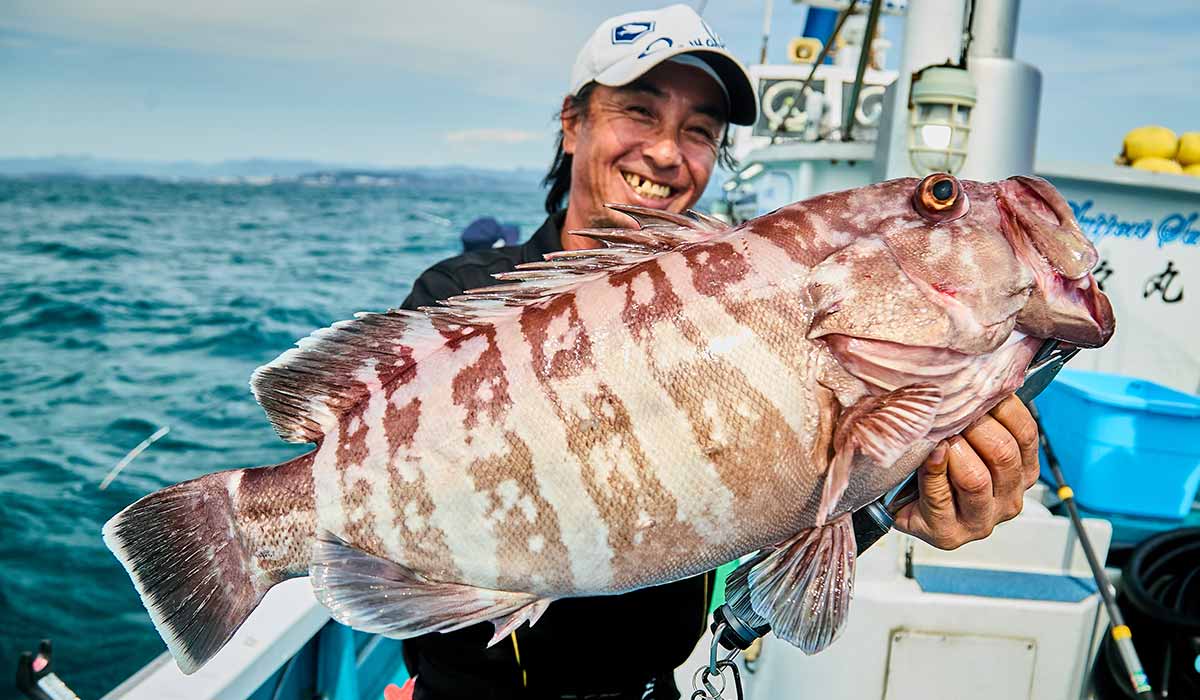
[649,479]
[617,418]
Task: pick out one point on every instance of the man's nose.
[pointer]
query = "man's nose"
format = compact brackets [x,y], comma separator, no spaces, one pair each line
[663,153]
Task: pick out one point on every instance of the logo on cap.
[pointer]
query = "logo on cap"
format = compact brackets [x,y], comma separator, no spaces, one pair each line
[630,31]
[662,42]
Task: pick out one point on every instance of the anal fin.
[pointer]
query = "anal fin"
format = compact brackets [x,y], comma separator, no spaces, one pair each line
[804,587]
[373,594]
[507,624]
[880,427]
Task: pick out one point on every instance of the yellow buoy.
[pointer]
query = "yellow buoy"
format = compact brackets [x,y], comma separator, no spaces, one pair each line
[1158,165]
[1193,170]
[1150,142]
[1189,149]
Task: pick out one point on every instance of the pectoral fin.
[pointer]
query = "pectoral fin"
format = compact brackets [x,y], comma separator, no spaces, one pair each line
[880,427]
[804,587]
[376,595]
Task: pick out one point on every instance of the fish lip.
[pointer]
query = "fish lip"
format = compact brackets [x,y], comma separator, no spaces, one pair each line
[1100,309]
[1022,217]
[1071,307]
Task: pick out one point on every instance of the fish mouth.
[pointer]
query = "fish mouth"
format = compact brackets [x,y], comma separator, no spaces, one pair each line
[656,193]
[1066,303]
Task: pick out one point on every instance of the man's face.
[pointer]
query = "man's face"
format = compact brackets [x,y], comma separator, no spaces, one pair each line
[652,143]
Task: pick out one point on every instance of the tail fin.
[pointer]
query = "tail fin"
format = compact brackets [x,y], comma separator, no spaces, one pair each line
[180,547]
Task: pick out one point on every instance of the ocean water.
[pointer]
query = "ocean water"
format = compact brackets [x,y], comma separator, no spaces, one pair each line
[127,305]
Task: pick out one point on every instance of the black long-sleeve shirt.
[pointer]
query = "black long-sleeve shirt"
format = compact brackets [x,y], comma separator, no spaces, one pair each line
[601,647]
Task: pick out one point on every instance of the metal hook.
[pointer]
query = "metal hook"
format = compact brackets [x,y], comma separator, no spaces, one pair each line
[715,669]
[712,649]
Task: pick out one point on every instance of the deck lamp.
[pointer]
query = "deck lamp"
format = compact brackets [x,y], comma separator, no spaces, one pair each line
[939,119]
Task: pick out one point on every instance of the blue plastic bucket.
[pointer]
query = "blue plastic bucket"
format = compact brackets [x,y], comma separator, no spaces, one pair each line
[1126,445]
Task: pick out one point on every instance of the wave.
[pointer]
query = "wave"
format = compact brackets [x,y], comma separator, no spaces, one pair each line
[249,340]
[66,251]
[39,311]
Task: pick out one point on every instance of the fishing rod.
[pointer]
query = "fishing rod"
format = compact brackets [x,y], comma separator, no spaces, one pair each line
[842,17]
[1119,631]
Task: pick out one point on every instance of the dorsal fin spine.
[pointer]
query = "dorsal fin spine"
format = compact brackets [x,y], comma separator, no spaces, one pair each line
[305,390]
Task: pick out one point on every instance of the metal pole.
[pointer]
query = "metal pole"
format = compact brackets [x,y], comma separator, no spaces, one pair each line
[863,57]
[766,31]
[1121,635]
[825,49]
[994,28]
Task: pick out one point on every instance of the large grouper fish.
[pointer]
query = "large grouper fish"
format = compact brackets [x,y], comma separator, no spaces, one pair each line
[621,417]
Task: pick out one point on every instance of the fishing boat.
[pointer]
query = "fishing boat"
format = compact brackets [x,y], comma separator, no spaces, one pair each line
[1017,615]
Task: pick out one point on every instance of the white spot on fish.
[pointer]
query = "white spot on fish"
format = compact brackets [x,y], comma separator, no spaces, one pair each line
[643,289]
[508,491]
[413,520]
[939,243]
[607,410]
[528,507]
[725,344]
[712,412]
[831,274]
[611,455]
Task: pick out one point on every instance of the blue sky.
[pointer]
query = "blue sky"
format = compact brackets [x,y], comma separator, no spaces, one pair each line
[396,82]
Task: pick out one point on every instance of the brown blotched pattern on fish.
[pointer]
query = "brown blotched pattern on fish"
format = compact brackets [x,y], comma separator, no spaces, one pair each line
[531,554]
[619,417]
[276,514]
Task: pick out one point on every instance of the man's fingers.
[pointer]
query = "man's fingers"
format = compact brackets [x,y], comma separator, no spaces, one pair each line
[998,451]
[933,517]
[936,493]
[1017,420]
[972,484]
[935,507]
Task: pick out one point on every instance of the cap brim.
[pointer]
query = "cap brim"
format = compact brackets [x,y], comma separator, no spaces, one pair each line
[743,103]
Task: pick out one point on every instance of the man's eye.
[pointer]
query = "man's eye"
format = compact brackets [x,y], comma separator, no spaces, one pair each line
[639,110]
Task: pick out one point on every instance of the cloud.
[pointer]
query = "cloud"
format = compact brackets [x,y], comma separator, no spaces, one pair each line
[492,136]
[538,38]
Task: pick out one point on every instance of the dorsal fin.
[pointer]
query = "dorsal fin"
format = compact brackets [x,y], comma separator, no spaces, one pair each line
[306,389]
[660,232]
[660,218]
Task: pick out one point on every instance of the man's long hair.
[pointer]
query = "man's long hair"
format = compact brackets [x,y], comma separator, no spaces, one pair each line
[558,179]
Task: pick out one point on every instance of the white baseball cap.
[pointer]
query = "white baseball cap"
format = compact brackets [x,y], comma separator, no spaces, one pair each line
[625,47]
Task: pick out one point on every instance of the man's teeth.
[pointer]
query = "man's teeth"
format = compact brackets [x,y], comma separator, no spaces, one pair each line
[646,188]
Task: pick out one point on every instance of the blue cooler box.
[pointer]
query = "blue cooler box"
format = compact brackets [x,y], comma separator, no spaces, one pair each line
[1126,445]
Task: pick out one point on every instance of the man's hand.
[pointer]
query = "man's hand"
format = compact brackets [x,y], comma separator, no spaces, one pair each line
[975,480]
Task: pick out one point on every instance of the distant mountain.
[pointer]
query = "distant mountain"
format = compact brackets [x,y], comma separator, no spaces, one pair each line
[419,178]
[266,169]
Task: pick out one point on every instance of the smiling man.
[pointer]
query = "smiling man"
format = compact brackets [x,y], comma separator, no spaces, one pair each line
[645,122]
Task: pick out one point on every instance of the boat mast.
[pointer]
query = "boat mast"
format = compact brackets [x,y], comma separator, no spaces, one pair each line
[933,36]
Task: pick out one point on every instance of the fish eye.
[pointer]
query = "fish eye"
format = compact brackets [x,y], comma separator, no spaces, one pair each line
[940,197]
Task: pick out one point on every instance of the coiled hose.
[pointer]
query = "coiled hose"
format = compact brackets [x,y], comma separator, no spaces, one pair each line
[1160,598]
